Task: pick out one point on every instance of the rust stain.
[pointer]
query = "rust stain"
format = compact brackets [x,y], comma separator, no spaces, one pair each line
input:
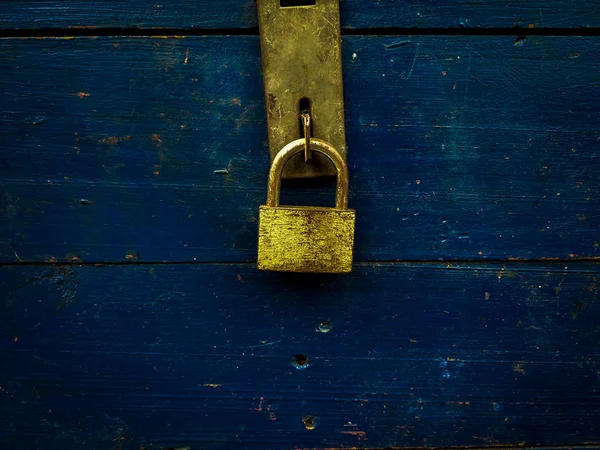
[271,102]
[518,368]
[71,257]
[132,256]
[62,38]
[81,95]
[157,140]
[114,140]
[355,433]
[260,405]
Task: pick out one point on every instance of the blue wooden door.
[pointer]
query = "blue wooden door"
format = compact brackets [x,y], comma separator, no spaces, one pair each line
[134,158]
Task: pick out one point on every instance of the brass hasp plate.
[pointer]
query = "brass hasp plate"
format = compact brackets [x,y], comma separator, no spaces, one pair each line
[302,67]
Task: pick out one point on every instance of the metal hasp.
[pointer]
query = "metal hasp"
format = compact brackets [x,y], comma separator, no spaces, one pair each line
[302,67]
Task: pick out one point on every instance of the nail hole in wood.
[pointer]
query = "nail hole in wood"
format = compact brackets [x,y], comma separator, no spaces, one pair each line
[300,361]
[310,421]
[324,326]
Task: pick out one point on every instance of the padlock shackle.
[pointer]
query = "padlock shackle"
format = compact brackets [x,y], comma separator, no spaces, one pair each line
[319,146]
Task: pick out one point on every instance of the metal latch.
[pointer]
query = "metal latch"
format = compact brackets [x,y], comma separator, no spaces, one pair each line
[302,67]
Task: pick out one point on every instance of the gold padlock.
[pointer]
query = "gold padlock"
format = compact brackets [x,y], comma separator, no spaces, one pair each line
[306,238]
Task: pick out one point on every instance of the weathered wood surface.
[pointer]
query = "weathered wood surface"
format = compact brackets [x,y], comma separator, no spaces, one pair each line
[118,149]
[354,13]
[162,356]
[142,150]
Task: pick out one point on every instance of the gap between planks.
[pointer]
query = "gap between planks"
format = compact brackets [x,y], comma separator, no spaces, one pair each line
[504,447]
[185,32]
[460,264]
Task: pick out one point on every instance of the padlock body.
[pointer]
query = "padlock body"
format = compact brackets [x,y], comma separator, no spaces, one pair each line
[305,239]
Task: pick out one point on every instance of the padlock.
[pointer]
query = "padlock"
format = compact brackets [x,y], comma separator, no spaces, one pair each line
[306,238]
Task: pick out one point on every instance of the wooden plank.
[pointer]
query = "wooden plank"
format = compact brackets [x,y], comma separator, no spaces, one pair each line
[119,149]
[161,356]
[354,14]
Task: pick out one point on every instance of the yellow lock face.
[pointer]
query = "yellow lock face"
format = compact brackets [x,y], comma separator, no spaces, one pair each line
[305,239]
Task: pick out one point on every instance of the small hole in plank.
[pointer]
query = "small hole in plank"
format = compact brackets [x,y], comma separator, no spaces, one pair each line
[294,3]
[300,361]
[310,421]
[324,326]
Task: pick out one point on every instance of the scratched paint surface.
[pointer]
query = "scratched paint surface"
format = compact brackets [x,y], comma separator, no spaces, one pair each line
[153,149]
[160,356]
[462,14]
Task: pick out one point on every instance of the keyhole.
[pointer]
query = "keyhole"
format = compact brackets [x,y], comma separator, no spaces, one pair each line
[294,3]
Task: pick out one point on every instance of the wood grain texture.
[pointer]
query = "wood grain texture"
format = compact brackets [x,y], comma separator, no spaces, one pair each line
[354,13]
[160,356]
[126,149]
